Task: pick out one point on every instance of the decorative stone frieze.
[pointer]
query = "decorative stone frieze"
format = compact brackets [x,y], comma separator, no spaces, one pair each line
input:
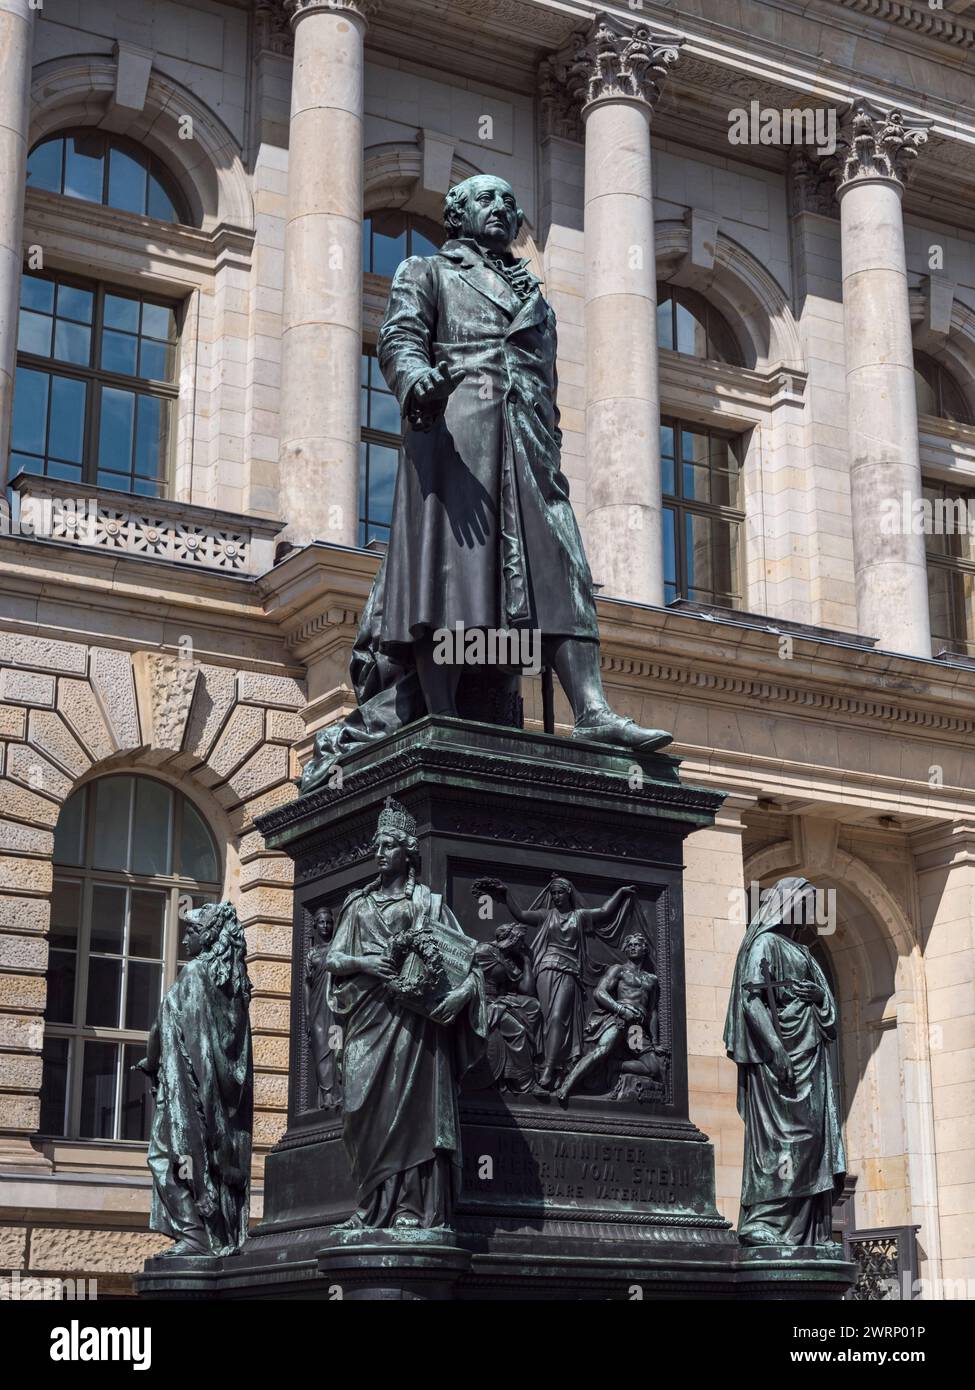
[152,529]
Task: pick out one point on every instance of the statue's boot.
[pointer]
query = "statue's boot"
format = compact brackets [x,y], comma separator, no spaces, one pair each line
[576,660]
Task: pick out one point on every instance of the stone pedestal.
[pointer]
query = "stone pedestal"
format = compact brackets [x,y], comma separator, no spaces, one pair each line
[591,1201]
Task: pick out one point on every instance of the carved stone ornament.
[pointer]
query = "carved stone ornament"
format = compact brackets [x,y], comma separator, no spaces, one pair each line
[612,61]
[297,9]
[811,186]
[875,143]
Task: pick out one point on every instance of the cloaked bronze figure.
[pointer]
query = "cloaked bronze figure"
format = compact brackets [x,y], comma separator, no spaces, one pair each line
[201,1069]
[410,998]
[483,534]
[320,1024]
[781,1021]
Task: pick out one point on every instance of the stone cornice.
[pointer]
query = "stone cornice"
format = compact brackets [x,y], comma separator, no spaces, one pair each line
[934,24]
[875,142]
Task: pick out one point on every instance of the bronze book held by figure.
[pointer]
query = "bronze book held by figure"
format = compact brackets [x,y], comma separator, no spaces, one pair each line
[432,958]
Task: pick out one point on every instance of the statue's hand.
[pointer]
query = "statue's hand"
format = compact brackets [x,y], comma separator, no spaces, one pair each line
[782,1068]
[439,383]
[379,966]
[449,1007]
[808,991]
[493,887]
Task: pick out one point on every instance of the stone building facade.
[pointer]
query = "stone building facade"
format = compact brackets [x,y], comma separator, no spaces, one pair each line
[767,371]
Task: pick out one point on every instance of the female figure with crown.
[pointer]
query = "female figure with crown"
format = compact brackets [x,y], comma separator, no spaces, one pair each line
[402,1067]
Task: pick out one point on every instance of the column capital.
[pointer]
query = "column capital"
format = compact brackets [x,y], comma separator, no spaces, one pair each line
[875,142]
[613,60]
[298,9]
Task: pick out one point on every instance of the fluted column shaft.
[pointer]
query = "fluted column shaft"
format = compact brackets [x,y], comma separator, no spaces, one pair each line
[321,342]
[871,166]
[16,42]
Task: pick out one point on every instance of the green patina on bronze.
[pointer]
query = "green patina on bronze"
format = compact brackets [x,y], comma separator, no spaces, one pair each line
[781,1021]
[483,534]
[201,1070]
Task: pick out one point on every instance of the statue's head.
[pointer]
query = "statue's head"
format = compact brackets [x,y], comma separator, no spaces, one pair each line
[323,924]
[395,845]
[790,905]
[636,947]
[509,934]
[483,209]
[561,894]
[214,934]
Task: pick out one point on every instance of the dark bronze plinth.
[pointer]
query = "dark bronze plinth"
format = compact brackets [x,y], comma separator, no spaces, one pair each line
[608,1196]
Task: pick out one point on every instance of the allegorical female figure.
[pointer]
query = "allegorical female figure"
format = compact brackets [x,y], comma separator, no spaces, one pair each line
[514,1015]
[560,956]
[319,1020]
[199,1063]
[402,1062]
[781,1021]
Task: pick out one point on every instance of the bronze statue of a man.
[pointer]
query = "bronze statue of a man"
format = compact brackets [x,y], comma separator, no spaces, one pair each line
[781,1021]
[483,534]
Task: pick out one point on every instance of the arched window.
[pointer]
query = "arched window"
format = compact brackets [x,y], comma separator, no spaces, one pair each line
[388,237]
[687,323]
[128,851]
[938,393]
[107,169]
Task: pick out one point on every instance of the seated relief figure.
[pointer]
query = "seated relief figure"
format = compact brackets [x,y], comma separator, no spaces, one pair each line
[320,1025]
[623,1030]
[781,1021]
[561,962]
[514,1015]
[410,997]
[201,1070]
[483,536]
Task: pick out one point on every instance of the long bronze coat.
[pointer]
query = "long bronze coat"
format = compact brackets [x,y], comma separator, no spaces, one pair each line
[483,532]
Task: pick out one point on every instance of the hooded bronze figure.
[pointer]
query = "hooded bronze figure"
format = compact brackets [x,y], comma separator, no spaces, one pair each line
[200,1066]
[781,1021]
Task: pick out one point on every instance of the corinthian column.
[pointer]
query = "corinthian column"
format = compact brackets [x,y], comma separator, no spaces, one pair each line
[614,73]
[16,41]
[874,153]
[321,339]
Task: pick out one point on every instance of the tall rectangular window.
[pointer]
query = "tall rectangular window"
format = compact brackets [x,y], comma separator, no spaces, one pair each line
[96,389]
[950,544]
[379,451]
[702,514]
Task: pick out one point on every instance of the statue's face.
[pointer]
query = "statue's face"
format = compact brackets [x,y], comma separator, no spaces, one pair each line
[634,949]
[192,939]
[560,898]
[324,922]
[491,215]
[390,856]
